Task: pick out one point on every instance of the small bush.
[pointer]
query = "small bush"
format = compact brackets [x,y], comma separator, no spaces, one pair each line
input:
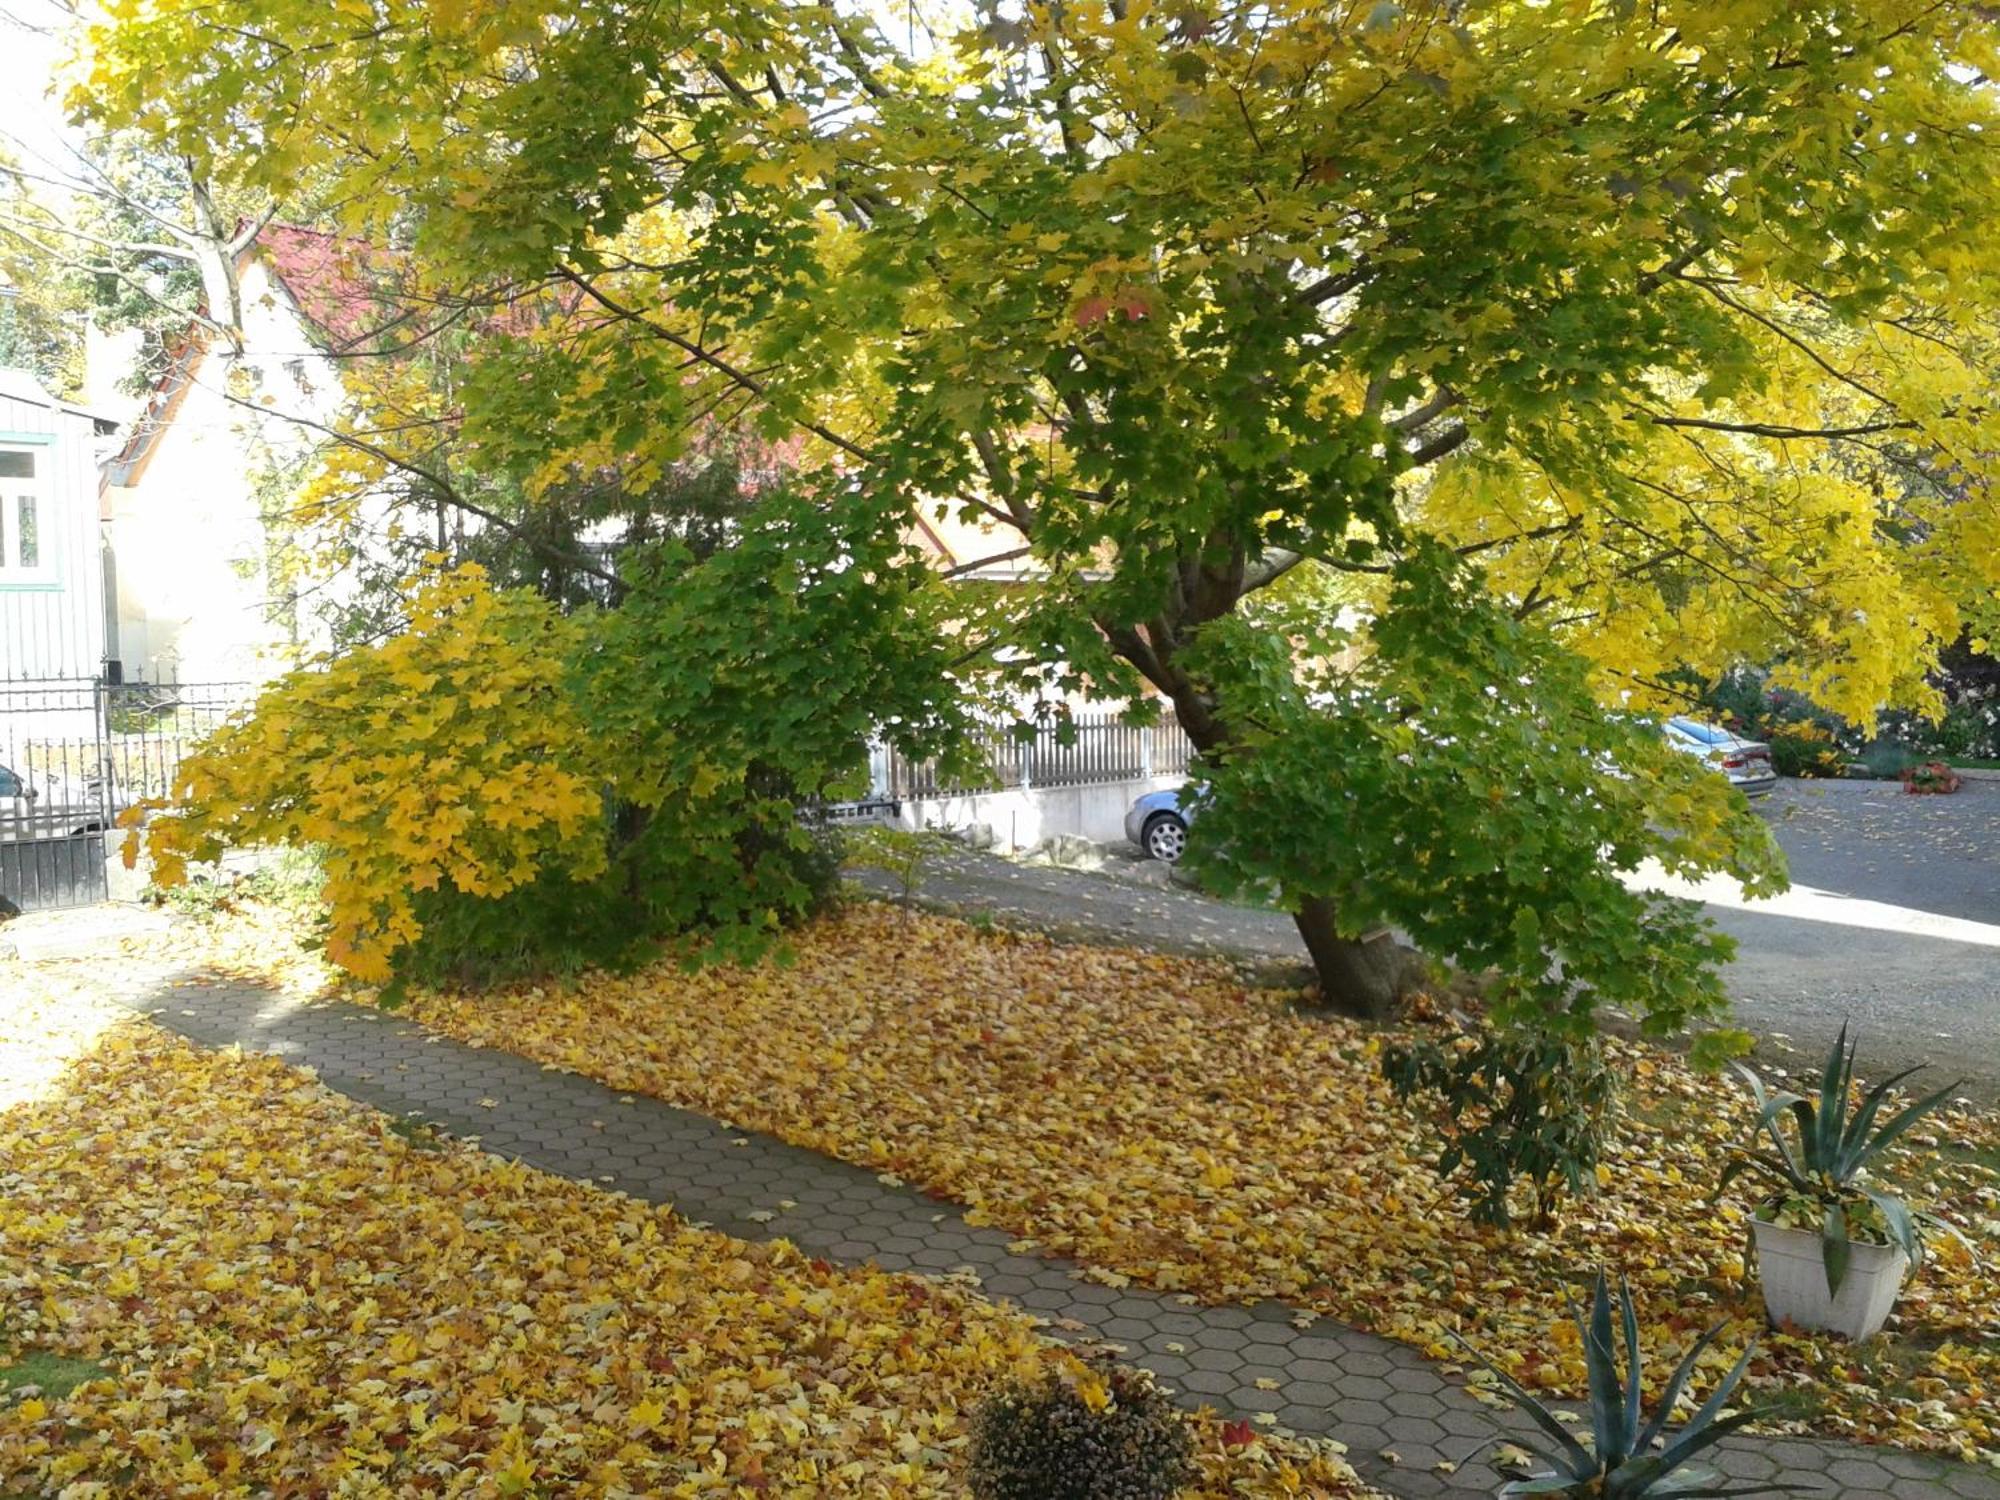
[901,853]
[1511,1105]
[1887,760]
[557,927]
[1101,1433]
[293,878]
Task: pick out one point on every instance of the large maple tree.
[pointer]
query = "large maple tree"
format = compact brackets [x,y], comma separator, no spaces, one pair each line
[1588,342]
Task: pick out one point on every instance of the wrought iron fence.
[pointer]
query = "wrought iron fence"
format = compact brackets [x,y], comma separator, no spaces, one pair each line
[74,753]
[53,808]
[150,727]
[1099,748]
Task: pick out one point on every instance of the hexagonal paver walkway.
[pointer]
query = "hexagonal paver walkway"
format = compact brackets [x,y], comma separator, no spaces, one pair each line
[1379,1398]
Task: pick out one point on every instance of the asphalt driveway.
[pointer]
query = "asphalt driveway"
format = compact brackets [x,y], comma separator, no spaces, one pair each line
[1892,924]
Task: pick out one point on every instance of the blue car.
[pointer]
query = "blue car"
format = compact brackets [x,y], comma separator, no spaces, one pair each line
[1158,824]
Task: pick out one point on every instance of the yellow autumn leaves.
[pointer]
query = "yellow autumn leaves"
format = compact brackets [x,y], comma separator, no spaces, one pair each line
[291,1299]
[447,751]
[1152,1118]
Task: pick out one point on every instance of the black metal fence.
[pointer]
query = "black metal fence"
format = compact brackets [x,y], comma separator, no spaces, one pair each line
[1098,748]
[74,753]
[149,727]
[53,810]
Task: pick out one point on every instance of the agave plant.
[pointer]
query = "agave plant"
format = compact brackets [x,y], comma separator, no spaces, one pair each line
[1620,1461]
[1822,1175]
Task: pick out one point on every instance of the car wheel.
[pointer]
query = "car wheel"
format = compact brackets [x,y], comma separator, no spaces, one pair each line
[1164,838]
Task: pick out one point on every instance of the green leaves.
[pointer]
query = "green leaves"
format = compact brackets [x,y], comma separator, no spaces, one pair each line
[1513,1105]
[732,694]
[1460,784]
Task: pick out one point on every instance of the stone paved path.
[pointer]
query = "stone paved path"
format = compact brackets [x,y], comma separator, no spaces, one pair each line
[1373,1395]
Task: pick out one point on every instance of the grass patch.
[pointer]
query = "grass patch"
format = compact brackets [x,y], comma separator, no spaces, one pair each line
[1792,1403]
[53,1376]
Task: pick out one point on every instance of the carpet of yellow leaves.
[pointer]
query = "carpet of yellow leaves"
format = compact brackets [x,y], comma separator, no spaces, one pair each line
[1150,1116]
[294,1298]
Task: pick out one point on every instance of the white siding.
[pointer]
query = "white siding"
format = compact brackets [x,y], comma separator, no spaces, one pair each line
[54,627]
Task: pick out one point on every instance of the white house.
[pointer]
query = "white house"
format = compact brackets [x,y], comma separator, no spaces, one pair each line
[210,464]
[52,583]
[53,631]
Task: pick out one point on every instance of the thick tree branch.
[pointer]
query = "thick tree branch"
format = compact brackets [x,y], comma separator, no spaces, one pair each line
[1448,441]
[1334,284]
[1011,555]
[1273,565]
[1419,417]
[1779,429]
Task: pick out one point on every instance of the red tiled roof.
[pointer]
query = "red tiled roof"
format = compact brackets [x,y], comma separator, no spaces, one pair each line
[342,285]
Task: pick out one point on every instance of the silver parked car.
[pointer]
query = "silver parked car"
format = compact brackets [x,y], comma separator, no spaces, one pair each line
[1747,763]
[53,807]
[1158,824]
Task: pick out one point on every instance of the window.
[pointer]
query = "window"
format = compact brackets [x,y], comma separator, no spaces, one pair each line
[10,784]
[22,549]
[1706,734]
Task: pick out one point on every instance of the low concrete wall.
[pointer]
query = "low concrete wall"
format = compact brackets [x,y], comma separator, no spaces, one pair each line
[1022,817]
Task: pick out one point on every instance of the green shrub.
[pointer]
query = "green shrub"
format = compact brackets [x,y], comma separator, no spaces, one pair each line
[1511,1105]
[557,927]
[1886,760]
[1106,1434]
[554,927]
[1805,750]
[733,693]
[649,769]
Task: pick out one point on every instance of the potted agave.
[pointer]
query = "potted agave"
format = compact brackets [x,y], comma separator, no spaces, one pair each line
[1626,1456]
[1833,1246]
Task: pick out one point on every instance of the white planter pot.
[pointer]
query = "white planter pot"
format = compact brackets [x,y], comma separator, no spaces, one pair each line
[1793,1270]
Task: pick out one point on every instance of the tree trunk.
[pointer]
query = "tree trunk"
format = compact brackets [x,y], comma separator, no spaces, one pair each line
[1369,978]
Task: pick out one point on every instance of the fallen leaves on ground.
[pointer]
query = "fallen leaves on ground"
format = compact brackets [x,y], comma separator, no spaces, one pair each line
[1150,1116]
[294,1300]
[46,1025]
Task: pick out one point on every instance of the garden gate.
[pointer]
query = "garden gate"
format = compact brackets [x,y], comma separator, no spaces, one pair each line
[75,752]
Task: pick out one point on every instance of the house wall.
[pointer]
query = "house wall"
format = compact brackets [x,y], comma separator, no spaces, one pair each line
[196,600]
[54,627]
[1021,817]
